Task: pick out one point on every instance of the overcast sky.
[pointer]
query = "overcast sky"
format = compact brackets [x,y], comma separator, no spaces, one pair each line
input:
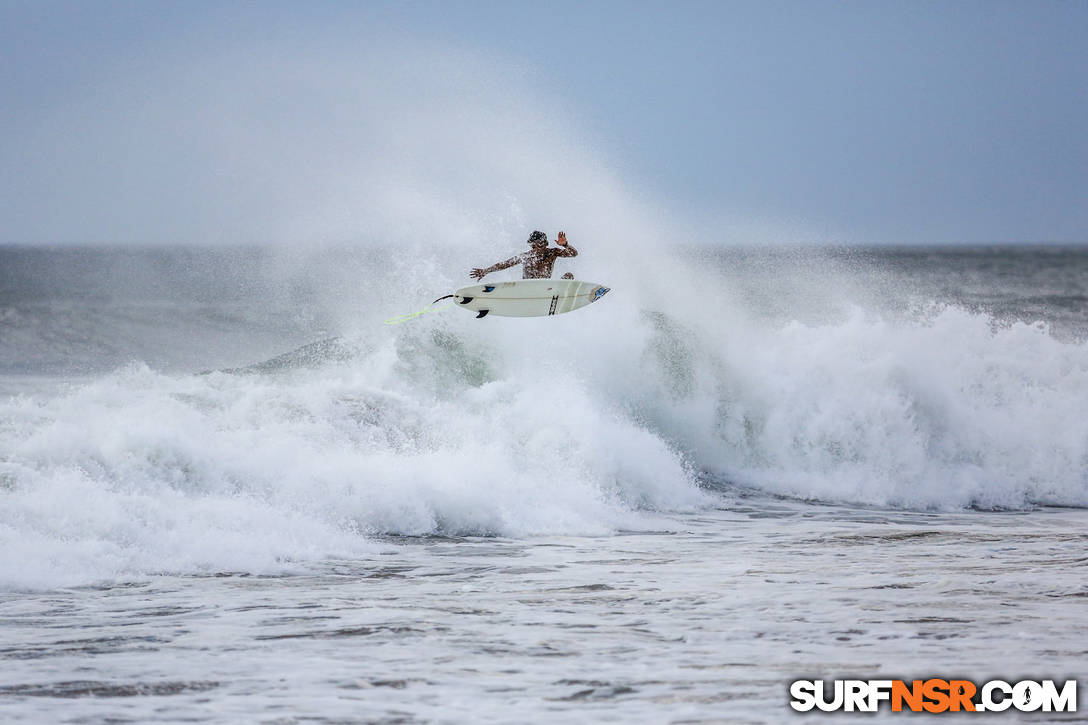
[855,122]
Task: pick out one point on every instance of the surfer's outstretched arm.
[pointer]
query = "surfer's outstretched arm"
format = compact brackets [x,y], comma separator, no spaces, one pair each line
[478,273]
[565,249]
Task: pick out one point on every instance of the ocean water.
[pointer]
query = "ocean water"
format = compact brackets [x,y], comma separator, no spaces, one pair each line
[230,493]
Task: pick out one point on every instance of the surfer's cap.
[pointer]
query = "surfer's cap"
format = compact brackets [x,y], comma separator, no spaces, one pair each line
[538,237]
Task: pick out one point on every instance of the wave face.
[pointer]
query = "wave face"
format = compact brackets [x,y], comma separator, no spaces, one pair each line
[833,378]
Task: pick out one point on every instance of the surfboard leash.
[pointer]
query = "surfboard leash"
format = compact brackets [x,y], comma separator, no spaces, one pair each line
[412,315]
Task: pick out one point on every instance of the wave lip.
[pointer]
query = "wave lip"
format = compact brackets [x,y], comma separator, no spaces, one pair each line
[946,412]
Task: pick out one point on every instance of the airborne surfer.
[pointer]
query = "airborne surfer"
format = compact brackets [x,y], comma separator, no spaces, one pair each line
[538,262]
[535,295]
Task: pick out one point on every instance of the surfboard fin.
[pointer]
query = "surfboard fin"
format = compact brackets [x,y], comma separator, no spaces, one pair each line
[482,313]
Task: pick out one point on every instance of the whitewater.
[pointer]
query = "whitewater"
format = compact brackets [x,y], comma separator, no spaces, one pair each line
[229,492]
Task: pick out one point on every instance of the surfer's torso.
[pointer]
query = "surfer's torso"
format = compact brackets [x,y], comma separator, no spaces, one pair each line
[539,263]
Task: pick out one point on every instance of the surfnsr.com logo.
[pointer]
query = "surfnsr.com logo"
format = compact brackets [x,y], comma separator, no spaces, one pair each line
[933,695]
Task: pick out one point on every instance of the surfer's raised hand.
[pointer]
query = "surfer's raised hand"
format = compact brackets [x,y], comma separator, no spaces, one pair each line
[561,240]
[477,273]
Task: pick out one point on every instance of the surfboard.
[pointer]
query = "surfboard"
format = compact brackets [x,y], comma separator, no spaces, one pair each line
[528,297]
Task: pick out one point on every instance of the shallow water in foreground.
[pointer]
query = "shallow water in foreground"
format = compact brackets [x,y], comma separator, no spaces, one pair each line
[705,618]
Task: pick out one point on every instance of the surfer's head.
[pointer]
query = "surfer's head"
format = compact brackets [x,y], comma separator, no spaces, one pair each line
[538,239]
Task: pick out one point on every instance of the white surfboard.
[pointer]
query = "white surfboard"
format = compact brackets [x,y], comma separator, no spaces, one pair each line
[528,297]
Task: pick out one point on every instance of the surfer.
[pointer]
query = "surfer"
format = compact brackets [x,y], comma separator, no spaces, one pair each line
[538,262]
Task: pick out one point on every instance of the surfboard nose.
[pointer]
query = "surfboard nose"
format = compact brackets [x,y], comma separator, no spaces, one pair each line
[600,292]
